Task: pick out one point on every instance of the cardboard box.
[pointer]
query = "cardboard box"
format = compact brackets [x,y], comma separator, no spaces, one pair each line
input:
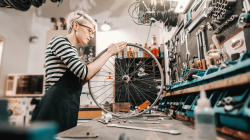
[124,107]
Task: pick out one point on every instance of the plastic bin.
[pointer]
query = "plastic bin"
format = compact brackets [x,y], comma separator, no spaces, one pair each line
[180,105]
[238,117]
[190,110]
[188,102]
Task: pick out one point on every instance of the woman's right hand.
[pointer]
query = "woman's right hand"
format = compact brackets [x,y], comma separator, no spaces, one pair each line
[115,48]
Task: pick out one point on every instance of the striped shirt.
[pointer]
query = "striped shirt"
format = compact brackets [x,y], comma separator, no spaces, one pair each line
[59,56]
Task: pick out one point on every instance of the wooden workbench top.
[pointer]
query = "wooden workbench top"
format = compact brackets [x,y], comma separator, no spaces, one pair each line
[111,133]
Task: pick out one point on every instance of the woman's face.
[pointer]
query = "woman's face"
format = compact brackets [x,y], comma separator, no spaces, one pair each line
[85,32]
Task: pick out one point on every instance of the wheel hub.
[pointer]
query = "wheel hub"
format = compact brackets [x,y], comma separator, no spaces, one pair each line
[125,78]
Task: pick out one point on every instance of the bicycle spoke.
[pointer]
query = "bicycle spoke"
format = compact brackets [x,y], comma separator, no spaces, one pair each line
[145,90]
[119,65]
[104,85]
[147,83]
[142,92]
[139,67]
[132,96]
[138,95]
[109,95]
[102,93]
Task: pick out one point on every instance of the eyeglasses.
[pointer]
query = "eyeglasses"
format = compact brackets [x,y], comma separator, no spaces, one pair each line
[89,29]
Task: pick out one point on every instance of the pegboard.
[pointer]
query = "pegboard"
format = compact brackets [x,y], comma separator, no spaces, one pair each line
[192,43]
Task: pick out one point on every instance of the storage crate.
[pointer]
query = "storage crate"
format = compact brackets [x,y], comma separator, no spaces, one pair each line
[121,107]
[238,117]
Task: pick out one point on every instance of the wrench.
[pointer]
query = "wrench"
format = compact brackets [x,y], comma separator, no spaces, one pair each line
[144,122]
[201,43]
[173,132]
[187,51]
[81,136]
[203,27]
[178,42]
[198,44]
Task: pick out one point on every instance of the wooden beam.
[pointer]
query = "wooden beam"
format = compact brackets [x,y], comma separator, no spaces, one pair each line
[228,82]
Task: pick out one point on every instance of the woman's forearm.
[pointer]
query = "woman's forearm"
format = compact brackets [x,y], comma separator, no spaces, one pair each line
[94,67]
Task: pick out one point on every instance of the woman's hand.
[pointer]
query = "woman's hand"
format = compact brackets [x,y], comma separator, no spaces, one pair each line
[115,48]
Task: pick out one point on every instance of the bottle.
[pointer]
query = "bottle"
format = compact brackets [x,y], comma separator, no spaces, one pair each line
[154,40]
[204,118]
[154,50]
[135,50]
[149,49]
[140,53]
[131,54]
[125,52]
[53,25]
[145,53]
[162,50]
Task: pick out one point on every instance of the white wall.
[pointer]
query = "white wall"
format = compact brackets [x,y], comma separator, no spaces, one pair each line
[15,27]
[113,11]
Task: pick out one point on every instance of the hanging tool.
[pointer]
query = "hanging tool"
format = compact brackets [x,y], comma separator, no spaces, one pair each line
[179,47]
[216,42]
[199,16]
[187,51]
[144,122]
[173,132]
[203,28]
[201,44]
[210,27]
[80,136]
[246,6]
[189,16]
[198,44]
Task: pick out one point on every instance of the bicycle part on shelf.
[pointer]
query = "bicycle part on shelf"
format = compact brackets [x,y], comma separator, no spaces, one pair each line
[173,132]
[128,86]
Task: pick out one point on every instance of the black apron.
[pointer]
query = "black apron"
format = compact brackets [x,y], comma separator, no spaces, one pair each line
[60,102]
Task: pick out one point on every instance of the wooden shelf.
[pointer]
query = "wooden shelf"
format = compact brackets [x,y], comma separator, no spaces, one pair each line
[232,81]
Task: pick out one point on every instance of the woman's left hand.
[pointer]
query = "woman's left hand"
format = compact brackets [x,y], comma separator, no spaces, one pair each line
[115,48]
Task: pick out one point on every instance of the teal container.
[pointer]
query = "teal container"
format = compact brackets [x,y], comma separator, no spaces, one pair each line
[167,106]
[238,117]
[190,110]
[187,104]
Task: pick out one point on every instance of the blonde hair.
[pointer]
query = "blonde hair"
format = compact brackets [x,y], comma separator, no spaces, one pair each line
[80,17]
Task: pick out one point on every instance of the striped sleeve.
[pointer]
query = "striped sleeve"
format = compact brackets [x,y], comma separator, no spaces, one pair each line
[68,54]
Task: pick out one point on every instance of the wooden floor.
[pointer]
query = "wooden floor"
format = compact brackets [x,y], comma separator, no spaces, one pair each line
[110,133]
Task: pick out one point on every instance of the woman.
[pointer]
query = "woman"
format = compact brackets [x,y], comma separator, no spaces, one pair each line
[66,74]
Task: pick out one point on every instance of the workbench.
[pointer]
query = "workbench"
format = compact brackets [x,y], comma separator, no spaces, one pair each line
[112,133]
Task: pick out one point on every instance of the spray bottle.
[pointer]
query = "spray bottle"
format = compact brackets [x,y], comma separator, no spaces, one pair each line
[204,118]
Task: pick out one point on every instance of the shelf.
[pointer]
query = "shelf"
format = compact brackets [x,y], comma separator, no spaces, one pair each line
[232,81]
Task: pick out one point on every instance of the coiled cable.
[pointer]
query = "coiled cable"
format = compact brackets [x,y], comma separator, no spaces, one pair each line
[23,5]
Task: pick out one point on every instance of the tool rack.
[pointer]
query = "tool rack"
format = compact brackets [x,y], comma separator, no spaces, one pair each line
[219,83]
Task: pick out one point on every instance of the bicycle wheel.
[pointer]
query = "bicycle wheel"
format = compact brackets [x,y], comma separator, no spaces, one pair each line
[131,86]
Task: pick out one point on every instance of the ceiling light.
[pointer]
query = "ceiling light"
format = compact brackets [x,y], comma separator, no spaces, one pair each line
[105,26]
